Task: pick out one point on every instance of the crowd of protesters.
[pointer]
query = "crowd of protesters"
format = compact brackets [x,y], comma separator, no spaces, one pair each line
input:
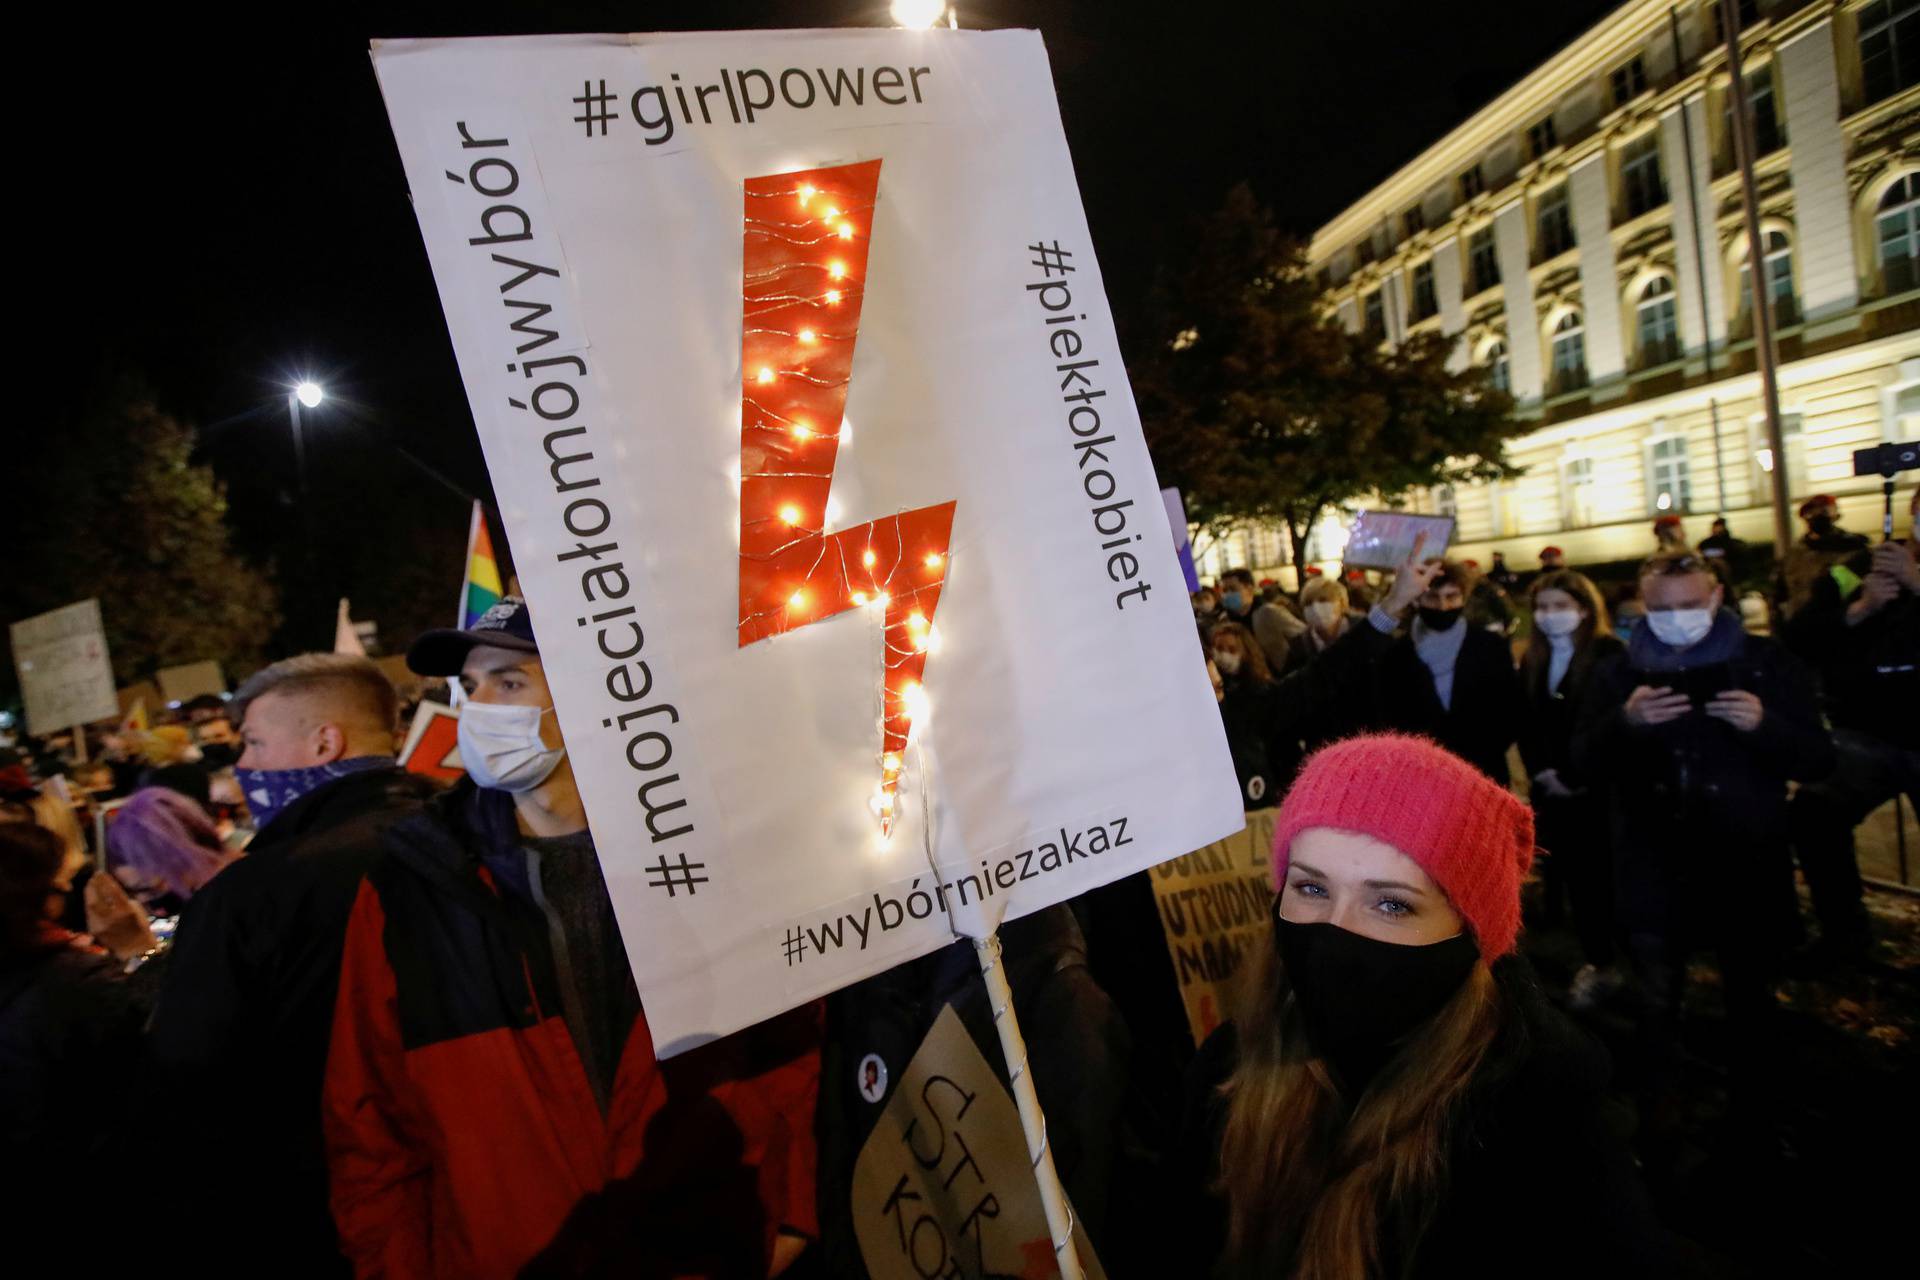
[387,1027]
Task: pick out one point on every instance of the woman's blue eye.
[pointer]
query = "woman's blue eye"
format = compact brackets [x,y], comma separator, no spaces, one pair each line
[1311,889]
[1395,907]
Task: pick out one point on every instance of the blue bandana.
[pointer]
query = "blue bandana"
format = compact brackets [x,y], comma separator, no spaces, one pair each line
[268,791]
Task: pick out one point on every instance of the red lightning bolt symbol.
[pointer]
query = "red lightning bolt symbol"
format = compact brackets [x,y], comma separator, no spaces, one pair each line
[803,270]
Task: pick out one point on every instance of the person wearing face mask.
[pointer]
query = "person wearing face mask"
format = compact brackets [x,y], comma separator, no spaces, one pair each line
[1694,733]
[1395,1096]
[1238,596]
[1824,545]
[240,1034]
[1451,681]
[492,1103]
[1571,637]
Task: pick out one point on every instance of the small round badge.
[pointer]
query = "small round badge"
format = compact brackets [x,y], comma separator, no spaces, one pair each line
[872,1078]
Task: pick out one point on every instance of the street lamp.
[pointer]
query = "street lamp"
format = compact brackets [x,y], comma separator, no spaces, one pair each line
[918,15]
[305,393]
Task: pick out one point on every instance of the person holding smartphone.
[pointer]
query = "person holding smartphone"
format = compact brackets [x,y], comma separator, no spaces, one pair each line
[1694,733]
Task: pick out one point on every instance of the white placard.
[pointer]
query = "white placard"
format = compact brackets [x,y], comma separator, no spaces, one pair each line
[589,256]
[66,677]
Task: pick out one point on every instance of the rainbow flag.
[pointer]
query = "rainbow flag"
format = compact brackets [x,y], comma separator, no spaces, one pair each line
[481,591]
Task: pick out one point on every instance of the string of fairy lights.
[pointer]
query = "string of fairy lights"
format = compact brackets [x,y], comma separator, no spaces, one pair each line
[803,273]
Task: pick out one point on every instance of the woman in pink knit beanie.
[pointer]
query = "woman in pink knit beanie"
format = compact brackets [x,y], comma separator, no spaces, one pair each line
[1396,1097]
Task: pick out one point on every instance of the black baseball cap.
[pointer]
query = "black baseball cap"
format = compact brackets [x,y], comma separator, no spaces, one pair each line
[508,625]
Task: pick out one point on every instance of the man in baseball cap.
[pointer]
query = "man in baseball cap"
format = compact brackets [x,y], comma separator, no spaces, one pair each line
[491,1058]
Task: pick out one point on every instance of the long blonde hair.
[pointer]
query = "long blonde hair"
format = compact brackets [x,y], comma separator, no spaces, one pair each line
[1313,1178]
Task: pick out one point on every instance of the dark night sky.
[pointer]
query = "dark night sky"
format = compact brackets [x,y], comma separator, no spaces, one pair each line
[226,209]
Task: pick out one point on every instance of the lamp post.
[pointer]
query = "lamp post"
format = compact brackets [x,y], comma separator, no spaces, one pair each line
[306,394]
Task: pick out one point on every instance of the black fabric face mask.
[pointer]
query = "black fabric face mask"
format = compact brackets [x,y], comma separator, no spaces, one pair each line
[1360,997]
[1821,525]
[220,755]
[1438,619]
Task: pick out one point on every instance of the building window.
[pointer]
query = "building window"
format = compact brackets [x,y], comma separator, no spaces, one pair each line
[1629,82]
[1793,437]
[1542,138]
[1445,501]
[1640,183]
[1889,47]
[1779,267]
[1499,373]
[1668,486]
[1471,183]
[1897,230]
[1376,313]
[1769,135]
[1555,223]
[1482,260]
[1424,302]
[1363,253]
[1906,414]
[1576,493]
[1745,12]
[1415,219]
[1657,327]
[1569,354]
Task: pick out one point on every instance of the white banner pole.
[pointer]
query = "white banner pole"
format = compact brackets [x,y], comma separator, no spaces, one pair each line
[1052,1197]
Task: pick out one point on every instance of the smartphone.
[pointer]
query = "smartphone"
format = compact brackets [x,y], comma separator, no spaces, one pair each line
[1384,539]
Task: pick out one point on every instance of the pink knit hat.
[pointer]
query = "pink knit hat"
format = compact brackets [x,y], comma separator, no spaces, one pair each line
[1473,836]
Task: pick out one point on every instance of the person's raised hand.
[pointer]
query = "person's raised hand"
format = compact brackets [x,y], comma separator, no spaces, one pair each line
[1738,708]
[115,920]
[1411,579]
[1649,705]
[1897,563]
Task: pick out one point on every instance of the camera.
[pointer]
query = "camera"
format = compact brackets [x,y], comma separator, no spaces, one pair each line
[1886,459]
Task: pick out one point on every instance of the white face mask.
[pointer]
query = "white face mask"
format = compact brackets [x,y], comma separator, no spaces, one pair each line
[500,746]
[1323,614]
[1680,628]
[1557,622]
[1229,663]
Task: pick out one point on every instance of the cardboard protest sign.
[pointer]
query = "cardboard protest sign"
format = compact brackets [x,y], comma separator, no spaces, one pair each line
[66,677]
[191,679]
[801,396]
[1215,904]
[943,1186]
[433,743]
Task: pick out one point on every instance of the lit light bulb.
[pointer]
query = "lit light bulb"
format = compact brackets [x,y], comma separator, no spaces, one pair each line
[933,640]
[833,297]
[916,699]
[838,270]
[859,597]
[933,560]
[764,376]
[790,514]
[890,762]
[916,621]
[802,432]
[830,213]
[869,559]
[807,192]
[808,335]
[846,231]
[798,600]
[882,599]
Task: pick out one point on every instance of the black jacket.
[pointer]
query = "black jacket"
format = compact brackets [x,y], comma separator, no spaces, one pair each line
[1538,1181]
[240,1034]
[1546,736]
[1870,672]
[1699,806]
[1076,1043]
[1486,712]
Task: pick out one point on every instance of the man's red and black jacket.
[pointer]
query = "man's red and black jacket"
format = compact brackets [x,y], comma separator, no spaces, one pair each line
[463,1134]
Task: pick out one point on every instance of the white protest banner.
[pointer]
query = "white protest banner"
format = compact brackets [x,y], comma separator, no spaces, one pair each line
[1215,905]
[66,677]
[803,403]
[943,1186]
